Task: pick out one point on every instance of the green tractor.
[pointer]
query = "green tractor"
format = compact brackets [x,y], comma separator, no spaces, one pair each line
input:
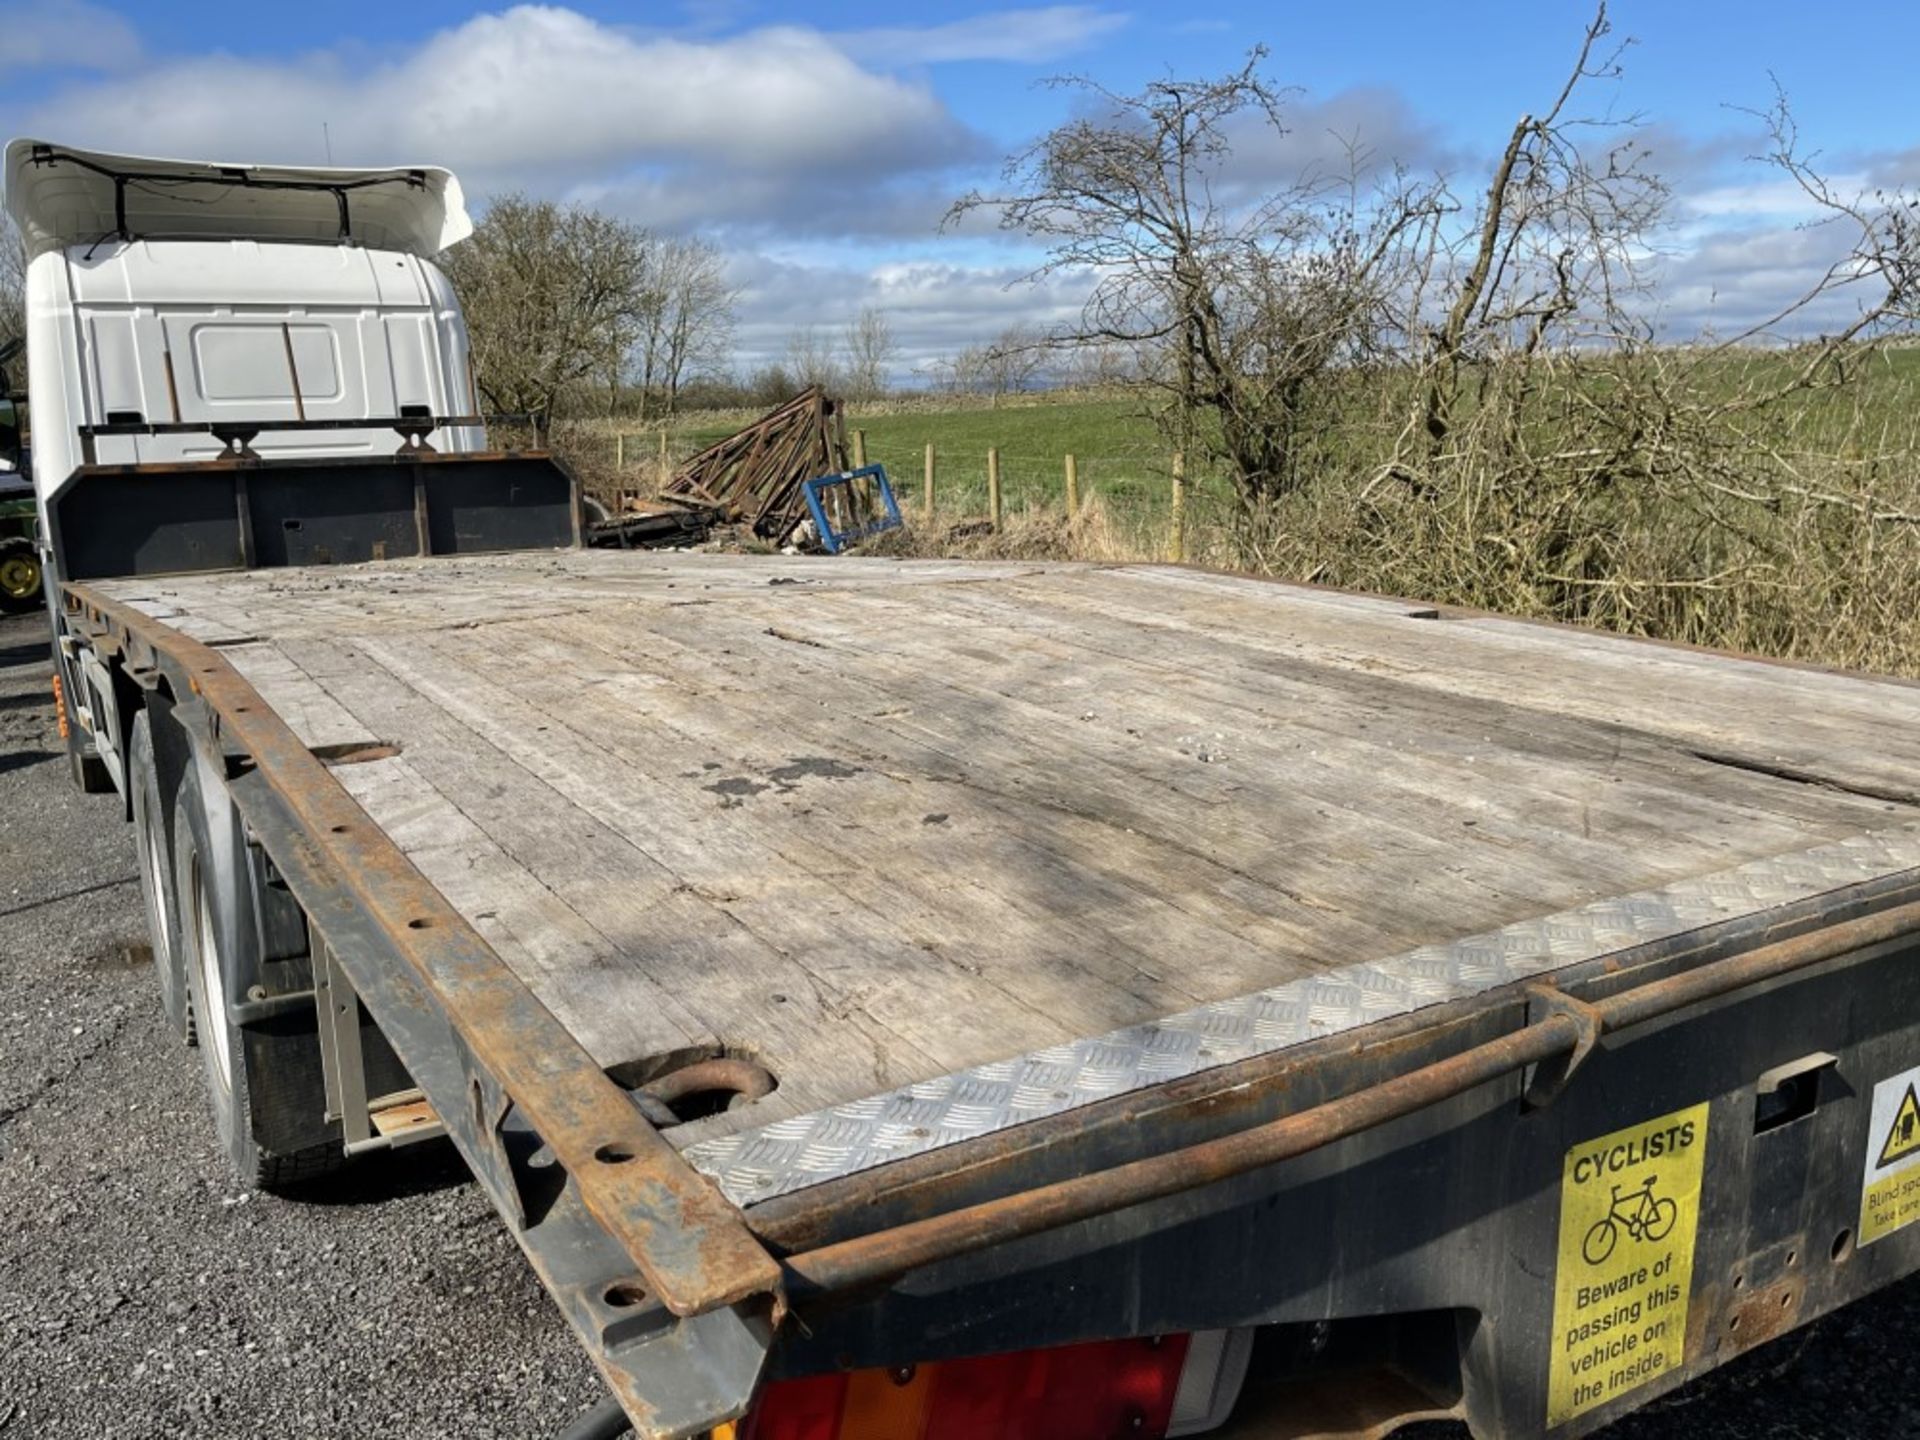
[19,556]
[19,551]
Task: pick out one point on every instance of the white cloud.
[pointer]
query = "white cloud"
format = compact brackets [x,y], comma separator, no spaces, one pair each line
[1731,280]
[1020,36]
[65,34]
[1901,168]
[781,205]
[832,149]
[1780,198]
[536,96]
[936,309]
[1368,126]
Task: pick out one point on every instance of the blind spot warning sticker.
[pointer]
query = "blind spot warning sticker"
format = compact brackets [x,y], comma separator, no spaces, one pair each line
[1629,1210]
[1890,1191]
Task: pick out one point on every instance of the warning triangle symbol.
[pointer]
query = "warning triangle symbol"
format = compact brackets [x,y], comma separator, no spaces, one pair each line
[1903,1139]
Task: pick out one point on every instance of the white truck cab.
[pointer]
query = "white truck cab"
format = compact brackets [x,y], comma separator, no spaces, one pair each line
[171,292]
[245,366]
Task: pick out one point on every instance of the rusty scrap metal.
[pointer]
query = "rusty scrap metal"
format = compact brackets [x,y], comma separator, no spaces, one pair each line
[724,1074]
[883,1255]
[753,477]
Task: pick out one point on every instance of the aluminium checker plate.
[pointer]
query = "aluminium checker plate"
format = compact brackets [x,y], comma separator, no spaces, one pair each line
[804,1150]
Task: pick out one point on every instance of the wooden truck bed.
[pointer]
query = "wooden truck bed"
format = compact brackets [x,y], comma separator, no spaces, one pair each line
[885,826]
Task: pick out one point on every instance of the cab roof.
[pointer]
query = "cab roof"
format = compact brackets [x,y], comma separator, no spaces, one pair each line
[59,195]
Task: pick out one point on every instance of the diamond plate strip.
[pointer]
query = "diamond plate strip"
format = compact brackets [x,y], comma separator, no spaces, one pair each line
[792,1154]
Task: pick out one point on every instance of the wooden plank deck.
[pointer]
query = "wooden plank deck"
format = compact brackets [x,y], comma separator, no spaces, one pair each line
[873,822]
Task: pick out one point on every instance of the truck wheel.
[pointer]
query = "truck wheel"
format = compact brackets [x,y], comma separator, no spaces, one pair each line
[19,576]
[155,858]
[220,953]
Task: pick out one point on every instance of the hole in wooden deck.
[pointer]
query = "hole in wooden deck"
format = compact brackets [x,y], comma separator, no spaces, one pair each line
[695,1082]
[354,752]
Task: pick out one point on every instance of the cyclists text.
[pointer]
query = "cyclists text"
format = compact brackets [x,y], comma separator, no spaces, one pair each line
[1629,1206]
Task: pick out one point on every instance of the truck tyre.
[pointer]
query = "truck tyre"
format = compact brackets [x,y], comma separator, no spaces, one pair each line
[154,851]
[19,576]
[220,951]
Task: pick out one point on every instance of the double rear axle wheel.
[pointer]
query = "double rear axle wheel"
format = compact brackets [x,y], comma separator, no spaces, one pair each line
[204,915]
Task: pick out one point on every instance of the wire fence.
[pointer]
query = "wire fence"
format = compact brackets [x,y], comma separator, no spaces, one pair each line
[1142,500]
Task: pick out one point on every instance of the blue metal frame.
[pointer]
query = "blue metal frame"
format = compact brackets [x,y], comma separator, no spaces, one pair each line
[837,540]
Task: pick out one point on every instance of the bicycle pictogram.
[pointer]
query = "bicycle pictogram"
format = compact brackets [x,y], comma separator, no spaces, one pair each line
[1640,1213]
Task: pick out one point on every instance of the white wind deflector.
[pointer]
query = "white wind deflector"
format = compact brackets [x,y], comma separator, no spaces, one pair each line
[61,196]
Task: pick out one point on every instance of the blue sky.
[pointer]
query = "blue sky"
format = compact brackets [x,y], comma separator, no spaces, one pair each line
[819,144]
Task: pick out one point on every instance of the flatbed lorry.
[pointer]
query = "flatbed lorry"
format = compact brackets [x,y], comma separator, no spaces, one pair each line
[947,1000]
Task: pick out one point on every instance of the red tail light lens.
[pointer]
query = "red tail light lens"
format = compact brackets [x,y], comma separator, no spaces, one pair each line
[1102,1391]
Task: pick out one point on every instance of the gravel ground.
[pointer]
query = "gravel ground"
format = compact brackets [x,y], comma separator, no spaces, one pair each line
[142,1293]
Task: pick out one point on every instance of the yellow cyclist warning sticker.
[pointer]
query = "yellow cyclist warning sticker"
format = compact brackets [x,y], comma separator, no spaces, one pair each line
[1890,1193]
[1629,1208]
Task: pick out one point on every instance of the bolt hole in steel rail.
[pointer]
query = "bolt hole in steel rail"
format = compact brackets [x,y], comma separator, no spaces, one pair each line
[1366,1194]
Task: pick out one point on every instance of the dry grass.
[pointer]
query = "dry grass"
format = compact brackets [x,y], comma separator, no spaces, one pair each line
[1031,533]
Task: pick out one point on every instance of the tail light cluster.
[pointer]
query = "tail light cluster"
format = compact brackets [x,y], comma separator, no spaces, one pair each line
[1168,1385]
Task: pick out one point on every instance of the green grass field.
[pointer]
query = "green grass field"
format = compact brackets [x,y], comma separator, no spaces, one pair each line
[1120,456]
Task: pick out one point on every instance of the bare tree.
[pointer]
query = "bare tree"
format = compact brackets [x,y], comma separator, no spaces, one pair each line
[13,292]
[770,385]
[687,324]
[1553,255]
[810,360]
[1251,299]
[870,351]
[1551,456]
[1014,360]
[1465,395]
[1103,366]
[946,373]
[553,296]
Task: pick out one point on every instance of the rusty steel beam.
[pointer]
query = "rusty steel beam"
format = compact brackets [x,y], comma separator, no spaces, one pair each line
[883,1255]
[872,1258]
[687,1241]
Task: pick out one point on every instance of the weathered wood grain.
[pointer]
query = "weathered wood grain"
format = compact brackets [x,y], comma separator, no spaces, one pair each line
[874,821]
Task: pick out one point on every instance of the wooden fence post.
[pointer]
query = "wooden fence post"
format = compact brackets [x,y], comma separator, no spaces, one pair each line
[993,487]
[1073,487]
[927,503]
[666,455]
[1179,540]
[859,449]
[619,452]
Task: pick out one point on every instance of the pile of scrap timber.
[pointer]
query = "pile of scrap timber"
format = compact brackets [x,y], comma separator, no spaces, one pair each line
[753,478]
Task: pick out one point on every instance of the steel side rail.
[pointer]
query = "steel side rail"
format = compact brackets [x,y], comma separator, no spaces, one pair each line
[690,1244]
[1574,1027]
